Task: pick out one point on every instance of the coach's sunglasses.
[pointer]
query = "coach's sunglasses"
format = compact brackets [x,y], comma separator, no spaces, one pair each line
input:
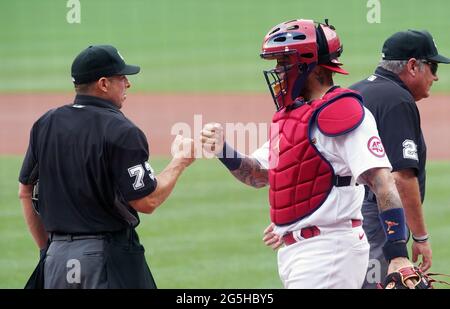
[433,66]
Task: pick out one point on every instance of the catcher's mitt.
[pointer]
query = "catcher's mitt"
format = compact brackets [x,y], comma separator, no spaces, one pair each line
[421,280]
[397,280]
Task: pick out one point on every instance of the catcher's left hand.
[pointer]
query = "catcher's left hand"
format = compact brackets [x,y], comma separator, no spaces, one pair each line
[212,139]
[271,239]
[402,278]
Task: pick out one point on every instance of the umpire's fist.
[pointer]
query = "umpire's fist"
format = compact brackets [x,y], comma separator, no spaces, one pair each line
[212,139]
[183,149]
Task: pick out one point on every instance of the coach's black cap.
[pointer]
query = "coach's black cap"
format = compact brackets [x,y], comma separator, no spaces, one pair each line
[409,44]
[100,61]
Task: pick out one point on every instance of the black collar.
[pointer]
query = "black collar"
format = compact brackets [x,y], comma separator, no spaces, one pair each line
[332,88]
[391,76]
[94,101]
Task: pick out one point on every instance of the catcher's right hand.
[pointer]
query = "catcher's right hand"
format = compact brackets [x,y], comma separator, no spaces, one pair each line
[271,239]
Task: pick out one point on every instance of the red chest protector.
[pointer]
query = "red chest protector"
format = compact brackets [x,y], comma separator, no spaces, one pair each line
[300,177]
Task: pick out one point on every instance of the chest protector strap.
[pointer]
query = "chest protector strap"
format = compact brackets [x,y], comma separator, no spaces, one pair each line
[300,177]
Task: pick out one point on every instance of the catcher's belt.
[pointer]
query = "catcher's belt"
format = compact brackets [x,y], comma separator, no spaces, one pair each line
[309,232]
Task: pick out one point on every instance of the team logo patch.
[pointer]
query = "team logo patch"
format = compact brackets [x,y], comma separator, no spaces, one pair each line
[376,147]
[410,150]
[390,225]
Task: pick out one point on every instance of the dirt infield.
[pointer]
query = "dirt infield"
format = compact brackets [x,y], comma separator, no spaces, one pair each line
[157,114]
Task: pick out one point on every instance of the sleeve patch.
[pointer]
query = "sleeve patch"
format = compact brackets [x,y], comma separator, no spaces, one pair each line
[410,150]
[137,172]
[376,147]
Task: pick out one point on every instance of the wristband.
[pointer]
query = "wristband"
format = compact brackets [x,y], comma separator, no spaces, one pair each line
[394,227]
[230,157]
[393,222]
[423,238]
[395,249]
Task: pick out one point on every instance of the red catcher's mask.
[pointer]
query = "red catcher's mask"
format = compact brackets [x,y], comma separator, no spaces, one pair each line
[298,46]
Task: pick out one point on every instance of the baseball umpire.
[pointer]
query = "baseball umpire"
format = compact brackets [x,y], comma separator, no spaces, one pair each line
[325,143]
[405,75]
[91,164]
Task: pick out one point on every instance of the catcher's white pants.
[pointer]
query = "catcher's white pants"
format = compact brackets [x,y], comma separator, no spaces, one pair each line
[335,259]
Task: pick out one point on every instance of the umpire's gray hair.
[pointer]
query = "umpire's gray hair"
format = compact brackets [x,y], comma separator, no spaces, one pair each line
[83,88]
[396,66]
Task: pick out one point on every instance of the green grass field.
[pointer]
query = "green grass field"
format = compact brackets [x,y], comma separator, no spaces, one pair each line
[207,235]
[194,45]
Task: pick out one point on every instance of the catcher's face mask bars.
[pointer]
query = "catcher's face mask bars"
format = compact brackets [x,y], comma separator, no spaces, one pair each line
[277,78]
[277,81]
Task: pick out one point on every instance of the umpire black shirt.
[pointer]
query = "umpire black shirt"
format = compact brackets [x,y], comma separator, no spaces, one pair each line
[398,121]
[90,160]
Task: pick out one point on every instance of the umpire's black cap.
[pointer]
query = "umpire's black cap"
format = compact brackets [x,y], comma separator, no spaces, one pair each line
[100,61]
[409,44]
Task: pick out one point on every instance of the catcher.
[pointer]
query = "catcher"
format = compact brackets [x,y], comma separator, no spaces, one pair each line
[322,143]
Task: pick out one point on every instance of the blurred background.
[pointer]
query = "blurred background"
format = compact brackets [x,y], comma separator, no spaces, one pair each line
[198,57]
[195,45]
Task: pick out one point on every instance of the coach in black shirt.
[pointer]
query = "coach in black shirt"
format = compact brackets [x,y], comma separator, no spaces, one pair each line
[405,74]
[91,166]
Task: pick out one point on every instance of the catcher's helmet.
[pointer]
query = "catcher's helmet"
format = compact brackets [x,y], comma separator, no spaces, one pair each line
[298,46]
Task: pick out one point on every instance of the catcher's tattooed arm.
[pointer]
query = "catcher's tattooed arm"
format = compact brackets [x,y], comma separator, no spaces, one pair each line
[251,173]
[388,191]
[246,169]
[381,182]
